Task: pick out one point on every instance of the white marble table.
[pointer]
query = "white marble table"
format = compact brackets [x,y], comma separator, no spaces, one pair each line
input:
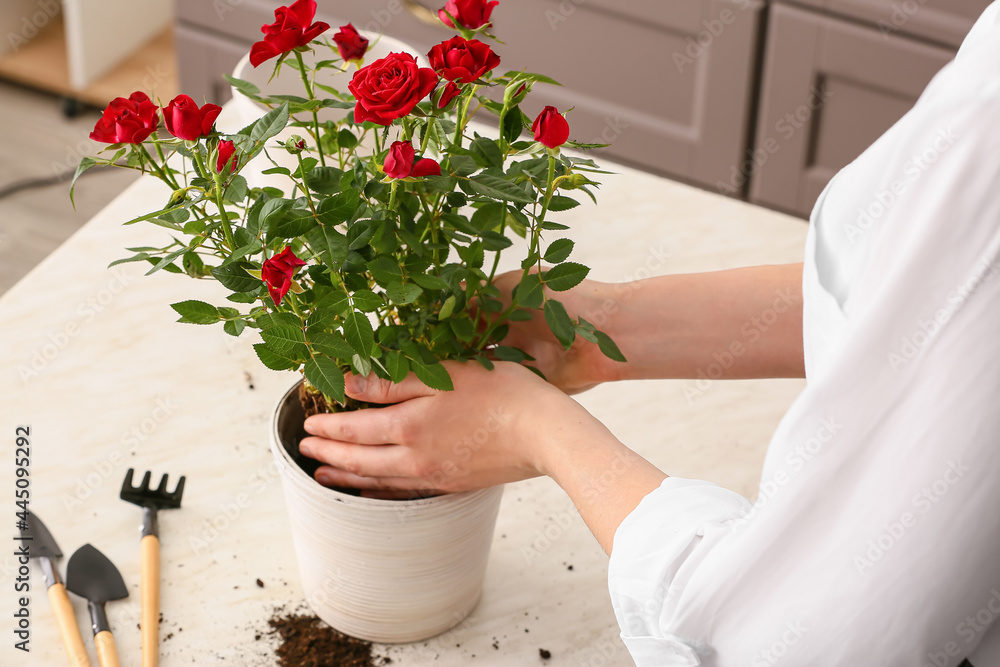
[92,360]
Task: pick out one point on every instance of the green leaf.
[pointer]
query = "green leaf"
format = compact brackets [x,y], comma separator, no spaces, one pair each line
[447,308]
[235,277]
[434,375]
[325,375]
[237,190]
[385,270]
[286,340]
[245,87]
[560,323]
[358,332]
[330,244]
[565,276]
[401,294]
[270,124]
[273,360]
[462,165]
[397,366]
[504,353]
[294,223]
[530,76]
[366,300]
[324,180]
[339,208]
[513,126]
[486,153]
[608,347]
[196,312]
[495,241]
[428,281]
[495,187]
[559,250]
[234,327]
[242,297]
[559,203]
[85,164]
[489,216]
[331,344]
[529,293]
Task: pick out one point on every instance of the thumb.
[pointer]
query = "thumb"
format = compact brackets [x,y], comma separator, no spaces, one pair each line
[374,389]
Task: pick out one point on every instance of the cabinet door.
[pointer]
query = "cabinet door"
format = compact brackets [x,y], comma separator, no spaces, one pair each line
[830,88]
[203,58]
[945,21]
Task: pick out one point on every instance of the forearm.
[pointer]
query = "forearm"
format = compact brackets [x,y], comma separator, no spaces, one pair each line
[604,478]
[741,323]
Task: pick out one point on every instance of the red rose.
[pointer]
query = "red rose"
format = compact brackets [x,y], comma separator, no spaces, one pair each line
[127,121]
[551,128]
[185,120]
[463,60]
[277,273]
[226,150]
[389,88]
[350,44]
[448,93]
[402,162]
[293,27]
[471,14]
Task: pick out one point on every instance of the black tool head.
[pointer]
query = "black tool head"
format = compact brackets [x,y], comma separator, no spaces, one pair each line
[42,544]
[157,499]
[91,575]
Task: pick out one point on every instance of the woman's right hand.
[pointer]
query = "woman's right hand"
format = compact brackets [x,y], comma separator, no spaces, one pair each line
[583,365]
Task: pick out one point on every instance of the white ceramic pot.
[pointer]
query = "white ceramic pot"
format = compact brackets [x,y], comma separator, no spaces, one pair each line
[389,571]
[289,82]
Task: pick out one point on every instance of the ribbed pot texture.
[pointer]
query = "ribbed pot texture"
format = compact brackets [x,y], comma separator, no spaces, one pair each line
[390,571]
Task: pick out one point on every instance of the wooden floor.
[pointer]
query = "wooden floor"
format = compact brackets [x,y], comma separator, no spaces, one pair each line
[38,142]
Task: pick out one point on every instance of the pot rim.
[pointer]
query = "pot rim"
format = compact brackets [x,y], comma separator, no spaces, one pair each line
[300,477]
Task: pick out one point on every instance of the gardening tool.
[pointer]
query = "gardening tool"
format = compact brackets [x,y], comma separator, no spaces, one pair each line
[150,501]
[91,575]
[42,545]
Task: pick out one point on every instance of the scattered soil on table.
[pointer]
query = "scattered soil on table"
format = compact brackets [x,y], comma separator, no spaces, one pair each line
[306,641]
[260,584]
[543,654]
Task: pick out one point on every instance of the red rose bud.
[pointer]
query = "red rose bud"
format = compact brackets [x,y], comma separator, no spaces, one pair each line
[399,161]
[471,14]
[293,27]
[463,60]
[389,88]
[402,162]
[350,44]
[277,273]
[185,120]
[448,93]
[127,120]
[551,128]
[425,167]
[226,151]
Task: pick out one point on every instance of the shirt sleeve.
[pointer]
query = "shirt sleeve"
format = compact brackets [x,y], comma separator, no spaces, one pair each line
[875,536]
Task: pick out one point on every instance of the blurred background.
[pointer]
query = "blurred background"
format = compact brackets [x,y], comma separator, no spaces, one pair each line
[762,100]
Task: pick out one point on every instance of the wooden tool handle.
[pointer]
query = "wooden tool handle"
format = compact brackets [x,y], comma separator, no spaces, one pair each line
[150,554]
[68,628]
[107,654]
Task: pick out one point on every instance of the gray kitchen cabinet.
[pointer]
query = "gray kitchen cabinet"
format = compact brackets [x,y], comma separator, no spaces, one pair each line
[943,21]
[668,84]
[829,89]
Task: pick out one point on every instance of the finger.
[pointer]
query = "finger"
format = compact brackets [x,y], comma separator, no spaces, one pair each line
[402,487]
[374,389]
[374,426]
[361,460]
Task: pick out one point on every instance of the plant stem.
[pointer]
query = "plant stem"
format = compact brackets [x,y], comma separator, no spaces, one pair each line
[315,115]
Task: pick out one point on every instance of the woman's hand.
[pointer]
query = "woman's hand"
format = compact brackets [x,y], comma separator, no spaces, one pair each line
[497,426]
[583,365]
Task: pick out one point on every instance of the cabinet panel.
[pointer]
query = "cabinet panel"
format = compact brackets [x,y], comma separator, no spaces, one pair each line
[829,89]
[946,21]
[203,58]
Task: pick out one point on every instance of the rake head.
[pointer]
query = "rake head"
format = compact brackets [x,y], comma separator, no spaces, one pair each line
[144,496]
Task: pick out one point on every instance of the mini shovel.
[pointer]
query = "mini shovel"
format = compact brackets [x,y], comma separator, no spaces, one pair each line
[42,545]
[150,501]
[91,575]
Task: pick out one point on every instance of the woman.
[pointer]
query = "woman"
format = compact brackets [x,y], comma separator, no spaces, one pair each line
[879,541]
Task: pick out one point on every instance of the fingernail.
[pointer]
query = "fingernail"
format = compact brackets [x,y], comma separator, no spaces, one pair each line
[311,426]
[304,449]
[357,383]
[322,477]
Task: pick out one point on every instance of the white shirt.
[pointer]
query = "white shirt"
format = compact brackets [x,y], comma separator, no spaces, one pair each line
[875,539]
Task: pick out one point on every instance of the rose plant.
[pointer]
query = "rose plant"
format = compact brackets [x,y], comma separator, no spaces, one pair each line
[381,253]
